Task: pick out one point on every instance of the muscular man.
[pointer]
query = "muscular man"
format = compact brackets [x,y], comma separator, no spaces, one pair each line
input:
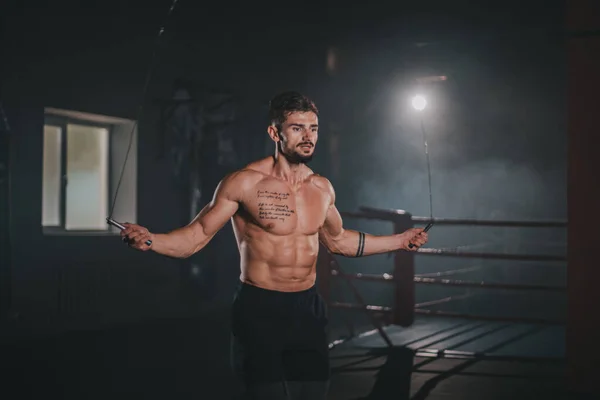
[280,211]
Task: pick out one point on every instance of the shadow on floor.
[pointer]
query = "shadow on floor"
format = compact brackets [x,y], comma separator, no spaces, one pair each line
[393,379]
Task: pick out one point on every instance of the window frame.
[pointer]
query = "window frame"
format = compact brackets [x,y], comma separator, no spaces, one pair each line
[61,122]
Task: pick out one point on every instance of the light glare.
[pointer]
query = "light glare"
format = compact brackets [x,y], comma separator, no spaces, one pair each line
[419,103]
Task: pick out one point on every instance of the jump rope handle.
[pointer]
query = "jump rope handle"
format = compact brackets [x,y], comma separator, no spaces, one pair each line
[112,222]
[428,227]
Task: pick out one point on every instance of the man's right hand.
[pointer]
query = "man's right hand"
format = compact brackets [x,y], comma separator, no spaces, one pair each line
[136,236]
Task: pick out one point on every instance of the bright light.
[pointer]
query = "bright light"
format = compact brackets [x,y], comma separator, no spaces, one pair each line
[419,103]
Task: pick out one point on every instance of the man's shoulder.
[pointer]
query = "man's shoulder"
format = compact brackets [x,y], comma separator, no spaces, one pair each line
[244,177]
[322,182]
[235,184]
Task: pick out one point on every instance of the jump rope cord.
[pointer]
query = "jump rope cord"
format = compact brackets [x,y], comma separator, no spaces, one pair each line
[149,72]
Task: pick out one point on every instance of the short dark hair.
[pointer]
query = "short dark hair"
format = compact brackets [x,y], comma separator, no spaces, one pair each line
[286,103]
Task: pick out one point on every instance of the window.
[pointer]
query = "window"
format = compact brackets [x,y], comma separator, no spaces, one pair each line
[82,159]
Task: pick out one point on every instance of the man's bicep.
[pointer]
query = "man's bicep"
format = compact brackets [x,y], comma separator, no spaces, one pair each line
[216,214]
[333,225]
[220,210]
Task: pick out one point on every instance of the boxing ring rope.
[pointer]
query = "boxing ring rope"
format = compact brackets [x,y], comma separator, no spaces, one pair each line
[445,300]
[493,256]
[451,272]
[389,214]
[404,309]
[449,282]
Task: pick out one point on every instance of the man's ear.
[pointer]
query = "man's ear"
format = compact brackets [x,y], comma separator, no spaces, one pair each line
[273,133]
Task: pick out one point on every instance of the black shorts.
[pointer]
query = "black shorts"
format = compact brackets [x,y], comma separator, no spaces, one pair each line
[279,336]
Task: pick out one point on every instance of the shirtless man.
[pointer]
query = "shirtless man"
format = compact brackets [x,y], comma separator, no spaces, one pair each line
[280,211]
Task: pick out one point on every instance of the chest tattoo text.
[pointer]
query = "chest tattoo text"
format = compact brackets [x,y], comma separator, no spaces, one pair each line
[271,205]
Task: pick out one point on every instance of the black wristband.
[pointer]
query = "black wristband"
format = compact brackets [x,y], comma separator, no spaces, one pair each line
[361,244]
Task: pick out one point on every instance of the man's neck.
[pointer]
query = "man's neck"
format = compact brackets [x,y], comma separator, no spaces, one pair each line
[293,173]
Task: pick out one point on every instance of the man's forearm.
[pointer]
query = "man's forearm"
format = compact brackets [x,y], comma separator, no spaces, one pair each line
[359,244]
[180,243]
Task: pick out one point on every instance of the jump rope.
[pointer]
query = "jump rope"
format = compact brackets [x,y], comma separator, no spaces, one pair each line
[151,66]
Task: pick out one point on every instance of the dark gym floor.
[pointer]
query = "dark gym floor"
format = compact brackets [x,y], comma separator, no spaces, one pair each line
[188,359]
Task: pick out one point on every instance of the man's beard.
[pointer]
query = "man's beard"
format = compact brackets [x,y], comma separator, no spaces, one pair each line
[296,158]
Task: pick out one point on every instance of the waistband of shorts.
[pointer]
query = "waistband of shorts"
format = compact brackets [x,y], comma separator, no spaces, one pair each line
[249,288]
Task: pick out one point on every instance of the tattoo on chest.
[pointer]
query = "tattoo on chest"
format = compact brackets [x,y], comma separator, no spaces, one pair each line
[271,205]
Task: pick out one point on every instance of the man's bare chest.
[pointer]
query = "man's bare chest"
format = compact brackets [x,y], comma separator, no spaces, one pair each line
[281,210]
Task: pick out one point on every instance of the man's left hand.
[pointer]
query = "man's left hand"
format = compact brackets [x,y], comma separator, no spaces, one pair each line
[416,236]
